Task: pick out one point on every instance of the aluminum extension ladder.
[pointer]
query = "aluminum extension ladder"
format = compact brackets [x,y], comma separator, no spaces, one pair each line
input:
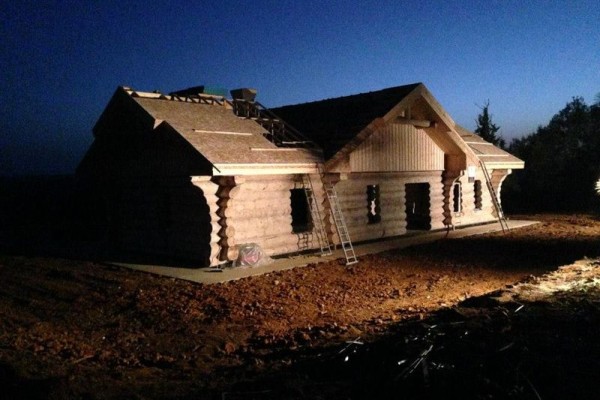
[495,200]
[340,223]
[315,214]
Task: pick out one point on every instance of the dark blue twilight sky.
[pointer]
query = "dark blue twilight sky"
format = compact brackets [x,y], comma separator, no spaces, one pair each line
[60,61]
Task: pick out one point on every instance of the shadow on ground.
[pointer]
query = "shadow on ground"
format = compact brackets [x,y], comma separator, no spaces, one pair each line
[484,348]
[57,216]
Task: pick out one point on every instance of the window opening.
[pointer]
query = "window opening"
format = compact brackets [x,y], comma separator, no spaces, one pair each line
[374,210]
[477,189]
[457,198]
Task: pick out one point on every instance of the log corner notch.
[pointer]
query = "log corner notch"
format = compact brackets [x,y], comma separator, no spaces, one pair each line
[229,186]
[209,190]
[448,179]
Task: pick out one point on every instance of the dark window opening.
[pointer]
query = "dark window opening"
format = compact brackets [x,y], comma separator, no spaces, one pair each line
[457,197]
[374,210]
[301,220]
[478,201]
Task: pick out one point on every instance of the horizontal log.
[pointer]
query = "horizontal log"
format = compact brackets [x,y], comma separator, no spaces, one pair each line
[284,195]
[353,220]
[356,210]
[418,123]
[256,210]
[263,226]
[256,196]
[349,200]
[248,235]
[390,227]
[268,186]
[267,219]
[269,244]
[396,220]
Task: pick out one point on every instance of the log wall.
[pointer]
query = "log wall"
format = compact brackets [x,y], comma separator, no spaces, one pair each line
[172,217]
[208,218]
[258,209]
[352,195]
[470,213]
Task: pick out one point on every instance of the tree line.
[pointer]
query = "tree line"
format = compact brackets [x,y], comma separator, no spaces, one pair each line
[562,161]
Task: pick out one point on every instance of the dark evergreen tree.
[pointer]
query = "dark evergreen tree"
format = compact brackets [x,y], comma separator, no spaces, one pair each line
[561,161]
[487,129]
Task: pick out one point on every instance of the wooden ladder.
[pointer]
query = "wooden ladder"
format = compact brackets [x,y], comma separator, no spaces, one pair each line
[338,219]
[495,200]
[315,214]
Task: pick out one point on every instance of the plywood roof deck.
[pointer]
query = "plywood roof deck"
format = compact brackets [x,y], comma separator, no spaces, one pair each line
[487,152]
[210,126]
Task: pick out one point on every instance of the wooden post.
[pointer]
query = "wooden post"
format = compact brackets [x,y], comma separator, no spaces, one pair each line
[448,179]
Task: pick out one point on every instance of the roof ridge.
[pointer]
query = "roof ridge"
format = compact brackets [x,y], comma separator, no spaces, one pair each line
[199,99]
[372,92]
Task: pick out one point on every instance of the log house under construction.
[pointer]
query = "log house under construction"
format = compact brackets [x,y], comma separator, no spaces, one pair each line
[195,175]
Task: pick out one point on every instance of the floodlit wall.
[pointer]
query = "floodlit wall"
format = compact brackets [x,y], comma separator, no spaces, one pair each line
[353,199]
[476,205]
[258,209]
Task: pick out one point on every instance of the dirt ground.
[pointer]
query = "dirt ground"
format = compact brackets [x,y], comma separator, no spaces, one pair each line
[491,316]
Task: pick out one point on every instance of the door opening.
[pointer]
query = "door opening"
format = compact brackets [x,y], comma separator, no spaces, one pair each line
[417,206]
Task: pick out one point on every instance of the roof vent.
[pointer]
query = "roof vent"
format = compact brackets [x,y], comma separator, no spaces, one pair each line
[243,94]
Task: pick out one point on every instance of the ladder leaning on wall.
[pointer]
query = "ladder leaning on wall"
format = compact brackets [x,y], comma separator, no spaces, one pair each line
[340,223]
[315,214]
[495,200]
[338,218]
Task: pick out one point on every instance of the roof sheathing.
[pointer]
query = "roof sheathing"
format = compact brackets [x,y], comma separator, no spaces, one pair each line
[218,134]
[491,155]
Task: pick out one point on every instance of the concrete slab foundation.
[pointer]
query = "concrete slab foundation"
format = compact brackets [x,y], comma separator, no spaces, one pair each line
[214,275]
